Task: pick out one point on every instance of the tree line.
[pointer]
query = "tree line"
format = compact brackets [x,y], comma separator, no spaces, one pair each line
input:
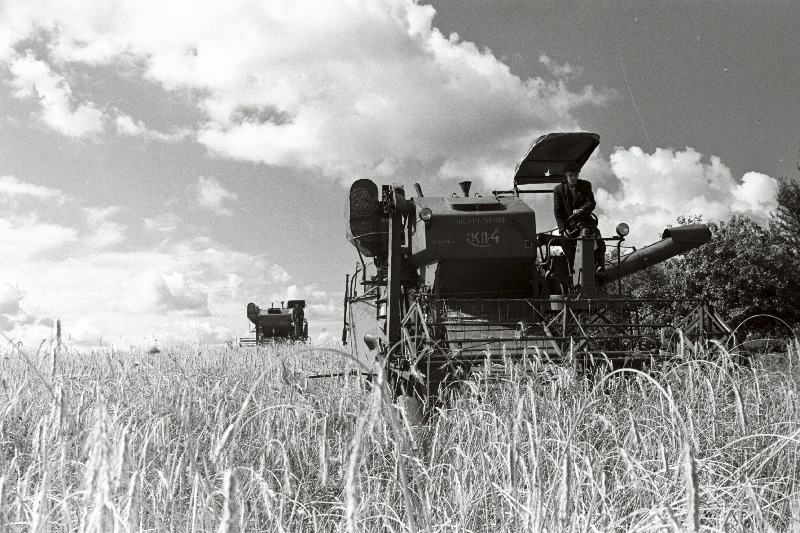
[749,273]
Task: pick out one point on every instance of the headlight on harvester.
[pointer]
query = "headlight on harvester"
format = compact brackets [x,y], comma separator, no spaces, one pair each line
[623,229]
[425,214]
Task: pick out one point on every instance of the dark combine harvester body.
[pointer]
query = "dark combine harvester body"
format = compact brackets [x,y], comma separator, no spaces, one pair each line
[278,323]
[456,283]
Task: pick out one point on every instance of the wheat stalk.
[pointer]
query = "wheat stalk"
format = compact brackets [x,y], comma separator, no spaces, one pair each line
[692,487]
[229,519]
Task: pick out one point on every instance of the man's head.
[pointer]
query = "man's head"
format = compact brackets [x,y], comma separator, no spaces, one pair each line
[571,171]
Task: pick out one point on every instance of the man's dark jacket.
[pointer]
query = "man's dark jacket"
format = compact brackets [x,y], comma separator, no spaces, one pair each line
[564,202]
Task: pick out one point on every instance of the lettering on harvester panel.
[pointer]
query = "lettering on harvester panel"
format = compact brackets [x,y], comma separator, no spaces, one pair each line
[484,238]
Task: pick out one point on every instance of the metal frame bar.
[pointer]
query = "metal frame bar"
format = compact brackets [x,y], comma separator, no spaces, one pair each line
[577,322]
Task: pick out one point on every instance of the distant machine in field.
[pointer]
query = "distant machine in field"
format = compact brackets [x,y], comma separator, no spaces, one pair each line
[277,323]
[450,285]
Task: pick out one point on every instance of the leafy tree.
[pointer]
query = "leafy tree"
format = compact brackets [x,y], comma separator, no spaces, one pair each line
[785,221]
[744,271]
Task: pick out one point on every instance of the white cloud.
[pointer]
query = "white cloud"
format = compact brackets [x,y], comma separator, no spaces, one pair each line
[211,195]
[235,283]
[327,310]
[755,195]
[68,266]
[328,338]
[654,189]
[127,125]
[35,78]
[104,232]
[557,69]
[179,292]
[348,87]
[163,223]
[205,332]
[155,291]
[10,297]
[278,273]
[11,186]
[13,315]
[123,296]
[85,331]
[319,304]
[24,238]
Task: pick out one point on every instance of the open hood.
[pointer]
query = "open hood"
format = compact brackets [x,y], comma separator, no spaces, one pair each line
[550,153]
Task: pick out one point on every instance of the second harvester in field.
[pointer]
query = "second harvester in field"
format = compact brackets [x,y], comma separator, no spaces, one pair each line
[277,323]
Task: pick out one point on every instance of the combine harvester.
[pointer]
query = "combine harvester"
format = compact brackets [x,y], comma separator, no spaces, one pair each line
[277,323]
[446,286]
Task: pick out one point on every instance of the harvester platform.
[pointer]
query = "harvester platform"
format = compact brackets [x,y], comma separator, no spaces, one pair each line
[463,332]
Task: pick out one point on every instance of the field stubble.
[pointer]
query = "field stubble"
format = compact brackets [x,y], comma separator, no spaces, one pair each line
[219,439]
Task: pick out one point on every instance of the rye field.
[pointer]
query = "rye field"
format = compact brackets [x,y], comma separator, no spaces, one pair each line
[222,439]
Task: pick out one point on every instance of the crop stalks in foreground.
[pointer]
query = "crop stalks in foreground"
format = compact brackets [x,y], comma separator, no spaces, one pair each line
[228,440]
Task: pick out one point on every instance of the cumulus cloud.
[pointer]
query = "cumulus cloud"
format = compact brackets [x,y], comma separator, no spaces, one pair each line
[68,266]
[235,283]
[205,332]
[755,195]
[163,223]
[326,310]
[177,292]
[133,292]
[11,186]
[35,228]
[12,314]
[654,189]
[104,232]
[279,274]
[34,78]
[369,87]
[127,125]
[173,292]
[86,331]
[211,195]
[10,298]
[556,69]
[319,304]
[24,238]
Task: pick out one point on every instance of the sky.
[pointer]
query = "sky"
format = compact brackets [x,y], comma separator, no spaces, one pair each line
[162,164]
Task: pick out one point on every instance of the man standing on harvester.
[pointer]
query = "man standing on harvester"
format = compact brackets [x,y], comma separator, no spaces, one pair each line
[572,203]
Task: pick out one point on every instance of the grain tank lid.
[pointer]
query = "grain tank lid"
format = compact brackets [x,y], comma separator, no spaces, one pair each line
[476,203]
[549,154]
